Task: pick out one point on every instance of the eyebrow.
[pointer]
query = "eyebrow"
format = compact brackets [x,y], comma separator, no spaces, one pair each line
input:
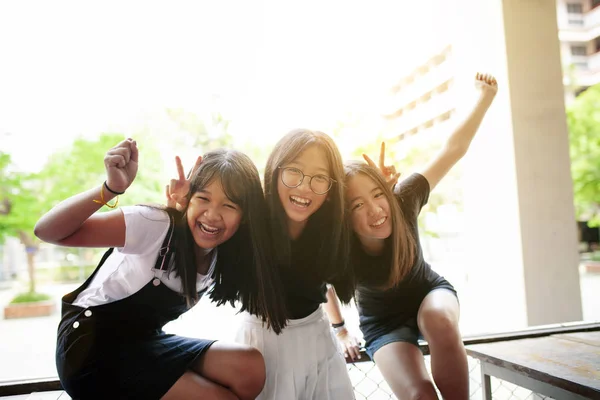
[209,192]
[319,169]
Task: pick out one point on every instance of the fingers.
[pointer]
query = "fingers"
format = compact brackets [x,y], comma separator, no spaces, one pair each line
[392,180]
[115,160]
[196,165]
[382,156]
[486,78]
[125,152]
[179,165]
[353,351]
[369,161]
[134,151]
[170,201]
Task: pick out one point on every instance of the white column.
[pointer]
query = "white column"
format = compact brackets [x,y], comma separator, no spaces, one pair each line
[523,264]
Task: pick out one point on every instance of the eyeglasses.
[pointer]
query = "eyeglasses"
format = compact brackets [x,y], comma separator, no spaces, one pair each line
[293,177]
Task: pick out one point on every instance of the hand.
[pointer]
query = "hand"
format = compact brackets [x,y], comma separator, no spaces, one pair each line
[389,172]
[487,84]
[121,163]
[178,189]
[349,344]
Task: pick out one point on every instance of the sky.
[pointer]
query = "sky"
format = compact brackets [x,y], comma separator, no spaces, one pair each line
[71,68]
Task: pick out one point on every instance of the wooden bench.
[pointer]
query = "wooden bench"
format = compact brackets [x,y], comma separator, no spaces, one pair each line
[562,366]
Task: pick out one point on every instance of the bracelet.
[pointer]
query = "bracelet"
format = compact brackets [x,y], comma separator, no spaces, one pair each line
[338,324]
[339,329]
[103,202]
[110,190]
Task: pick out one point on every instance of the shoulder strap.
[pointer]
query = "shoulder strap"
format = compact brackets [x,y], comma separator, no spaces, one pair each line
[165,249]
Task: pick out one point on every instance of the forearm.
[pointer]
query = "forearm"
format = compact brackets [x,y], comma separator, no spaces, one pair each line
[460,140]
[66,218]
[332,307]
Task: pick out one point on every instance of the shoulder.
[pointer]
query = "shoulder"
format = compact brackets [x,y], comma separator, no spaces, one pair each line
[148,213]
[412,191]
[144,226]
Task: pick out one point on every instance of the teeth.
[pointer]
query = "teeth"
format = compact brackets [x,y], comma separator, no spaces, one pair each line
[208,229]
[379,221]
[300,200]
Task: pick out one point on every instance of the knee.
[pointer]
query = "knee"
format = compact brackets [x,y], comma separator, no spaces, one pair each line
[422,391]
[250,374]
[439,325]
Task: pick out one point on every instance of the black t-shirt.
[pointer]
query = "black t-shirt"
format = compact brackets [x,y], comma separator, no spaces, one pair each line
[381,311]
[303,289]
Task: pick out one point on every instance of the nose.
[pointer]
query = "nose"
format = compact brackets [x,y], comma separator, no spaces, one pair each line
[211,214]
[305,185]
[373,210]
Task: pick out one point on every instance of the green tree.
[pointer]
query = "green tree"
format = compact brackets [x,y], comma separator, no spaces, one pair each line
[27,196]
[583,119]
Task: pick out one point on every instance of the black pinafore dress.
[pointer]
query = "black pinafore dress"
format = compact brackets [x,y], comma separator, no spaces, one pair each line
[119,350]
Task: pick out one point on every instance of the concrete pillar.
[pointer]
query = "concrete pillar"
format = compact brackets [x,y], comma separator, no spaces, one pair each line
[519,210]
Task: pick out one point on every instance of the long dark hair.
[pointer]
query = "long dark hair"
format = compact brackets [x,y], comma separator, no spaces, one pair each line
[244,271]
[328,229]
[401,240]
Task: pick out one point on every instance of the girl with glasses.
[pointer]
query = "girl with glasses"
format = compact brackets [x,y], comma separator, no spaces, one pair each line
[309,233]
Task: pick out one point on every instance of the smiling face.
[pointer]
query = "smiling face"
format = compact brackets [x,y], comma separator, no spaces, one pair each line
[212,217]
[301,202]
[369,210]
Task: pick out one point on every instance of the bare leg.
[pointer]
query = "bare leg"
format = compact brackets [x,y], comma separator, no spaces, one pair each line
[238,367]
[438,322]
[224,372]
[194,387]
[403,368]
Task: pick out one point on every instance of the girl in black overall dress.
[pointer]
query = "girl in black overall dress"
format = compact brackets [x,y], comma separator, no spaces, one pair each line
[110,341]
[399,297]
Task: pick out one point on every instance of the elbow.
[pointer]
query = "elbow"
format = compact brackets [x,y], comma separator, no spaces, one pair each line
[43,233]
[40,232]
[456,150]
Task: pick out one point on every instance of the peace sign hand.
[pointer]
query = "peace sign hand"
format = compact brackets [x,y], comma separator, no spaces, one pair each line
[121,164]
[178,189]
[388,171]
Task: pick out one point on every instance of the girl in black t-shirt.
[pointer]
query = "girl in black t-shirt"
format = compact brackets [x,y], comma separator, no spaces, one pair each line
[310,233]
[399,296]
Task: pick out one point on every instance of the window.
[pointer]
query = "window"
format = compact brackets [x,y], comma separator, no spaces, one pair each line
[595,3]
[578,50]
[576,22]
[575,8]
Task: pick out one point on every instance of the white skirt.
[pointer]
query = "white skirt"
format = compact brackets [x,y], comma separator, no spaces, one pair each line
[303,362]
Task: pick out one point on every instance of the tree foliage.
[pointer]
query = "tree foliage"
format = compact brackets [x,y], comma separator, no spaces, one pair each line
[583,119]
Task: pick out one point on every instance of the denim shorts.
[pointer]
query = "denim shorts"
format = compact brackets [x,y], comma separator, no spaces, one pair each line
[408,332]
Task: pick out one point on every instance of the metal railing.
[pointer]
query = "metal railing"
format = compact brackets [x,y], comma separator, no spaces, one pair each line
[369,383]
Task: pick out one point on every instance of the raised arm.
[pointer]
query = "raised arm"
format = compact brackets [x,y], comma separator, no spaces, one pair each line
[73,222]
[459,141]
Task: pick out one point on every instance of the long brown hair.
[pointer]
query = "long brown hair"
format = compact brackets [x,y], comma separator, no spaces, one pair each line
[244,270]
[332,230]
[402,242]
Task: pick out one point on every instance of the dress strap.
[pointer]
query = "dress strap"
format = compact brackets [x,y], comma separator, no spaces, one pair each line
[165,249]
